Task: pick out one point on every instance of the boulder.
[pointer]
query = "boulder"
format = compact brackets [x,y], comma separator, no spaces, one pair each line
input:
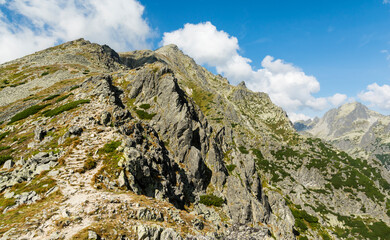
[39,133]
[93,235]
[8,164]
[75,130]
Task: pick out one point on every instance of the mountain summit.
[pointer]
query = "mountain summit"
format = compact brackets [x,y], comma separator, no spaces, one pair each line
[355,129]
[150,145]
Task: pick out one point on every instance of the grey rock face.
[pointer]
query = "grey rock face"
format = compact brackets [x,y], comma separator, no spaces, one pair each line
[39,133]
[8,164]
[247,233]
[75,130]
[191,144]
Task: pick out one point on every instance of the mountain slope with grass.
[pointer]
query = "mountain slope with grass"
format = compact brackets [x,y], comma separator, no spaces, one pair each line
[148,144]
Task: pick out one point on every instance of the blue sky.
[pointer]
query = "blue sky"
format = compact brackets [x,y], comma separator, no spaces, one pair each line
[325,52]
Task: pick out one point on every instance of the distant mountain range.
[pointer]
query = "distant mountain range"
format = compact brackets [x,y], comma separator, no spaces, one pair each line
[353,128]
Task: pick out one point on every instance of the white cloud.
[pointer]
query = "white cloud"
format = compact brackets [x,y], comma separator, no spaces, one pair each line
[298,116]
[204,43]
[386,52]
[43,23]
[377,96]
[386,1]
[287,85]
[337,99]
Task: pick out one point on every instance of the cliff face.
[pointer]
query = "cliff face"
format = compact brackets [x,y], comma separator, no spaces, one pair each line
[355,129]
[148,144]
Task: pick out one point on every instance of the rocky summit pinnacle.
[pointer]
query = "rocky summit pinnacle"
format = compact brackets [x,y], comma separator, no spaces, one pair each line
[147,144]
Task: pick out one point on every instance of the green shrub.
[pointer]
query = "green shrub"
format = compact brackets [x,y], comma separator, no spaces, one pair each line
[302,214]
[51,97]
[27,112]
[3,135]
[300,224]
[243,150]
[4,158]
[74,87]
[44,74]
[144,115]
[110,147]
[63,98]
[65,107]
[145,106]
[257,153]
[230,167]
[211,200]
[2,148]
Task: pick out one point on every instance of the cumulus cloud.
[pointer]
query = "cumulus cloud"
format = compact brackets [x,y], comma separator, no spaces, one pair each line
[298,116]
[42,23]
[287,85]
[377,96]
[337,99]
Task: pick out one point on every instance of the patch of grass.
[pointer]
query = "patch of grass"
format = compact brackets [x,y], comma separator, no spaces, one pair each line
[27,112]
[110,147]
[4,158]
[66,107]
[144,115]
[89,164]
[41,184]
[145,106]
[243,150]
[50,97]
[63,98]
[211,200]
[20,214]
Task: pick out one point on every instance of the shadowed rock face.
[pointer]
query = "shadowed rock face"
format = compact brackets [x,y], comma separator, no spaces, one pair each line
[155,142]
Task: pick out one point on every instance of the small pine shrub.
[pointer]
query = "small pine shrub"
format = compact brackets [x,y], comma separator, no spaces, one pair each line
[27,112]
[3,135]
[144,115]
[4,158]
[51,97]
[44,74]
[110,147]
[145,106]
[74,87]
[211,200]
[243,150]
[63,98]
[230,167]
[65,107]
[2,148]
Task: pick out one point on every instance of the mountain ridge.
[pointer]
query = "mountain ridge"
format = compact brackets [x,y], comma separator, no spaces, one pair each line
[354,128]
[183,151]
